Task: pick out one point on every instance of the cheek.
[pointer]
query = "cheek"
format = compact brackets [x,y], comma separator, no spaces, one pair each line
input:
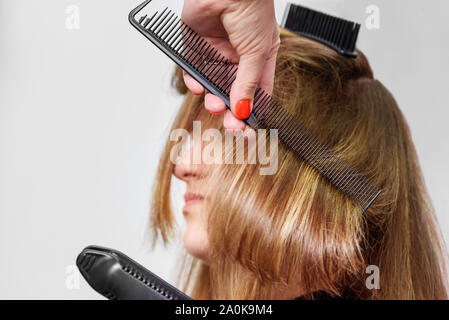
[195,237]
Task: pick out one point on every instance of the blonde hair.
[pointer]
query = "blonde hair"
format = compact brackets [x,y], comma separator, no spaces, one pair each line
[294,229]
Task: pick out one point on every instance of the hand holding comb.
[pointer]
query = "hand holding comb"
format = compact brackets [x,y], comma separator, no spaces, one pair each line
[216,74]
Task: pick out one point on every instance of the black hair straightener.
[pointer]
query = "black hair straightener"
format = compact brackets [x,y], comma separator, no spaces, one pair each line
[118,277]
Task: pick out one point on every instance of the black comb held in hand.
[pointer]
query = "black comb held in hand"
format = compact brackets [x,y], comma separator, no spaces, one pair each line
[338,34]
[118,277]
[214,72]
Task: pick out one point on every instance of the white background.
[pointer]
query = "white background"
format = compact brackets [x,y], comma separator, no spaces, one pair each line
[84,115]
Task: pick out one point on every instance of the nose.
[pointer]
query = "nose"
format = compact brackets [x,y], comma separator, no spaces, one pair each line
[187,171]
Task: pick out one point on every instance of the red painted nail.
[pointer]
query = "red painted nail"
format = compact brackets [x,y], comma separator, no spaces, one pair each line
[243,109]
[215,114]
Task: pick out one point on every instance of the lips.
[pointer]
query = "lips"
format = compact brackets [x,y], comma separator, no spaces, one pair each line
[189,196]
[190,199]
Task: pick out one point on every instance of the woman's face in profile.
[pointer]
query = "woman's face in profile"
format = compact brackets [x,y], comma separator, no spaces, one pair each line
[195,209]
[197,175]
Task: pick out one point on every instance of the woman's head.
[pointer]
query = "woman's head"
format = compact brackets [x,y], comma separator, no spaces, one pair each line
[292,231]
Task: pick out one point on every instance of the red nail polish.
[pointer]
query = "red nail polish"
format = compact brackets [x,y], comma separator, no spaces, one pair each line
[215,114]
[243,109]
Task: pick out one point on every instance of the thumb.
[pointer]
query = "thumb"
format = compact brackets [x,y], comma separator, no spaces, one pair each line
[246,82]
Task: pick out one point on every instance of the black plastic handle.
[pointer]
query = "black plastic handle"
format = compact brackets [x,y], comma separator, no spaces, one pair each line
[118,277]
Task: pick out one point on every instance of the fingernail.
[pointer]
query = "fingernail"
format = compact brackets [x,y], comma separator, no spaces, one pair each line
[215,114]
[243,109]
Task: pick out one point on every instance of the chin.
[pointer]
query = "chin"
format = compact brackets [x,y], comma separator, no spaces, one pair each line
[196,243]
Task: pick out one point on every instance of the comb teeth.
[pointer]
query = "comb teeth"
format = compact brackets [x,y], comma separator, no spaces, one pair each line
[198,58]
[338,34]
[316,153]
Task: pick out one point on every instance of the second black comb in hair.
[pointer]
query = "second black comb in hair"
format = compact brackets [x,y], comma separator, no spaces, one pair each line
[336,33]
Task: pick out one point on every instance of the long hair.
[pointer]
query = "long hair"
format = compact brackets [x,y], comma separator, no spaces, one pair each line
[269,234]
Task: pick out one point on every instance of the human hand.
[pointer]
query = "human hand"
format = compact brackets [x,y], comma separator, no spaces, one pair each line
[247,34]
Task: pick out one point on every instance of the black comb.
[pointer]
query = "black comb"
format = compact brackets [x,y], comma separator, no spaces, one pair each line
[118,277]
[199,59]
[338,34]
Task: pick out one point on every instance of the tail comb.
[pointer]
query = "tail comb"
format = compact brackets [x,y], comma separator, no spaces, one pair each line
[207,66]
[338,34]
